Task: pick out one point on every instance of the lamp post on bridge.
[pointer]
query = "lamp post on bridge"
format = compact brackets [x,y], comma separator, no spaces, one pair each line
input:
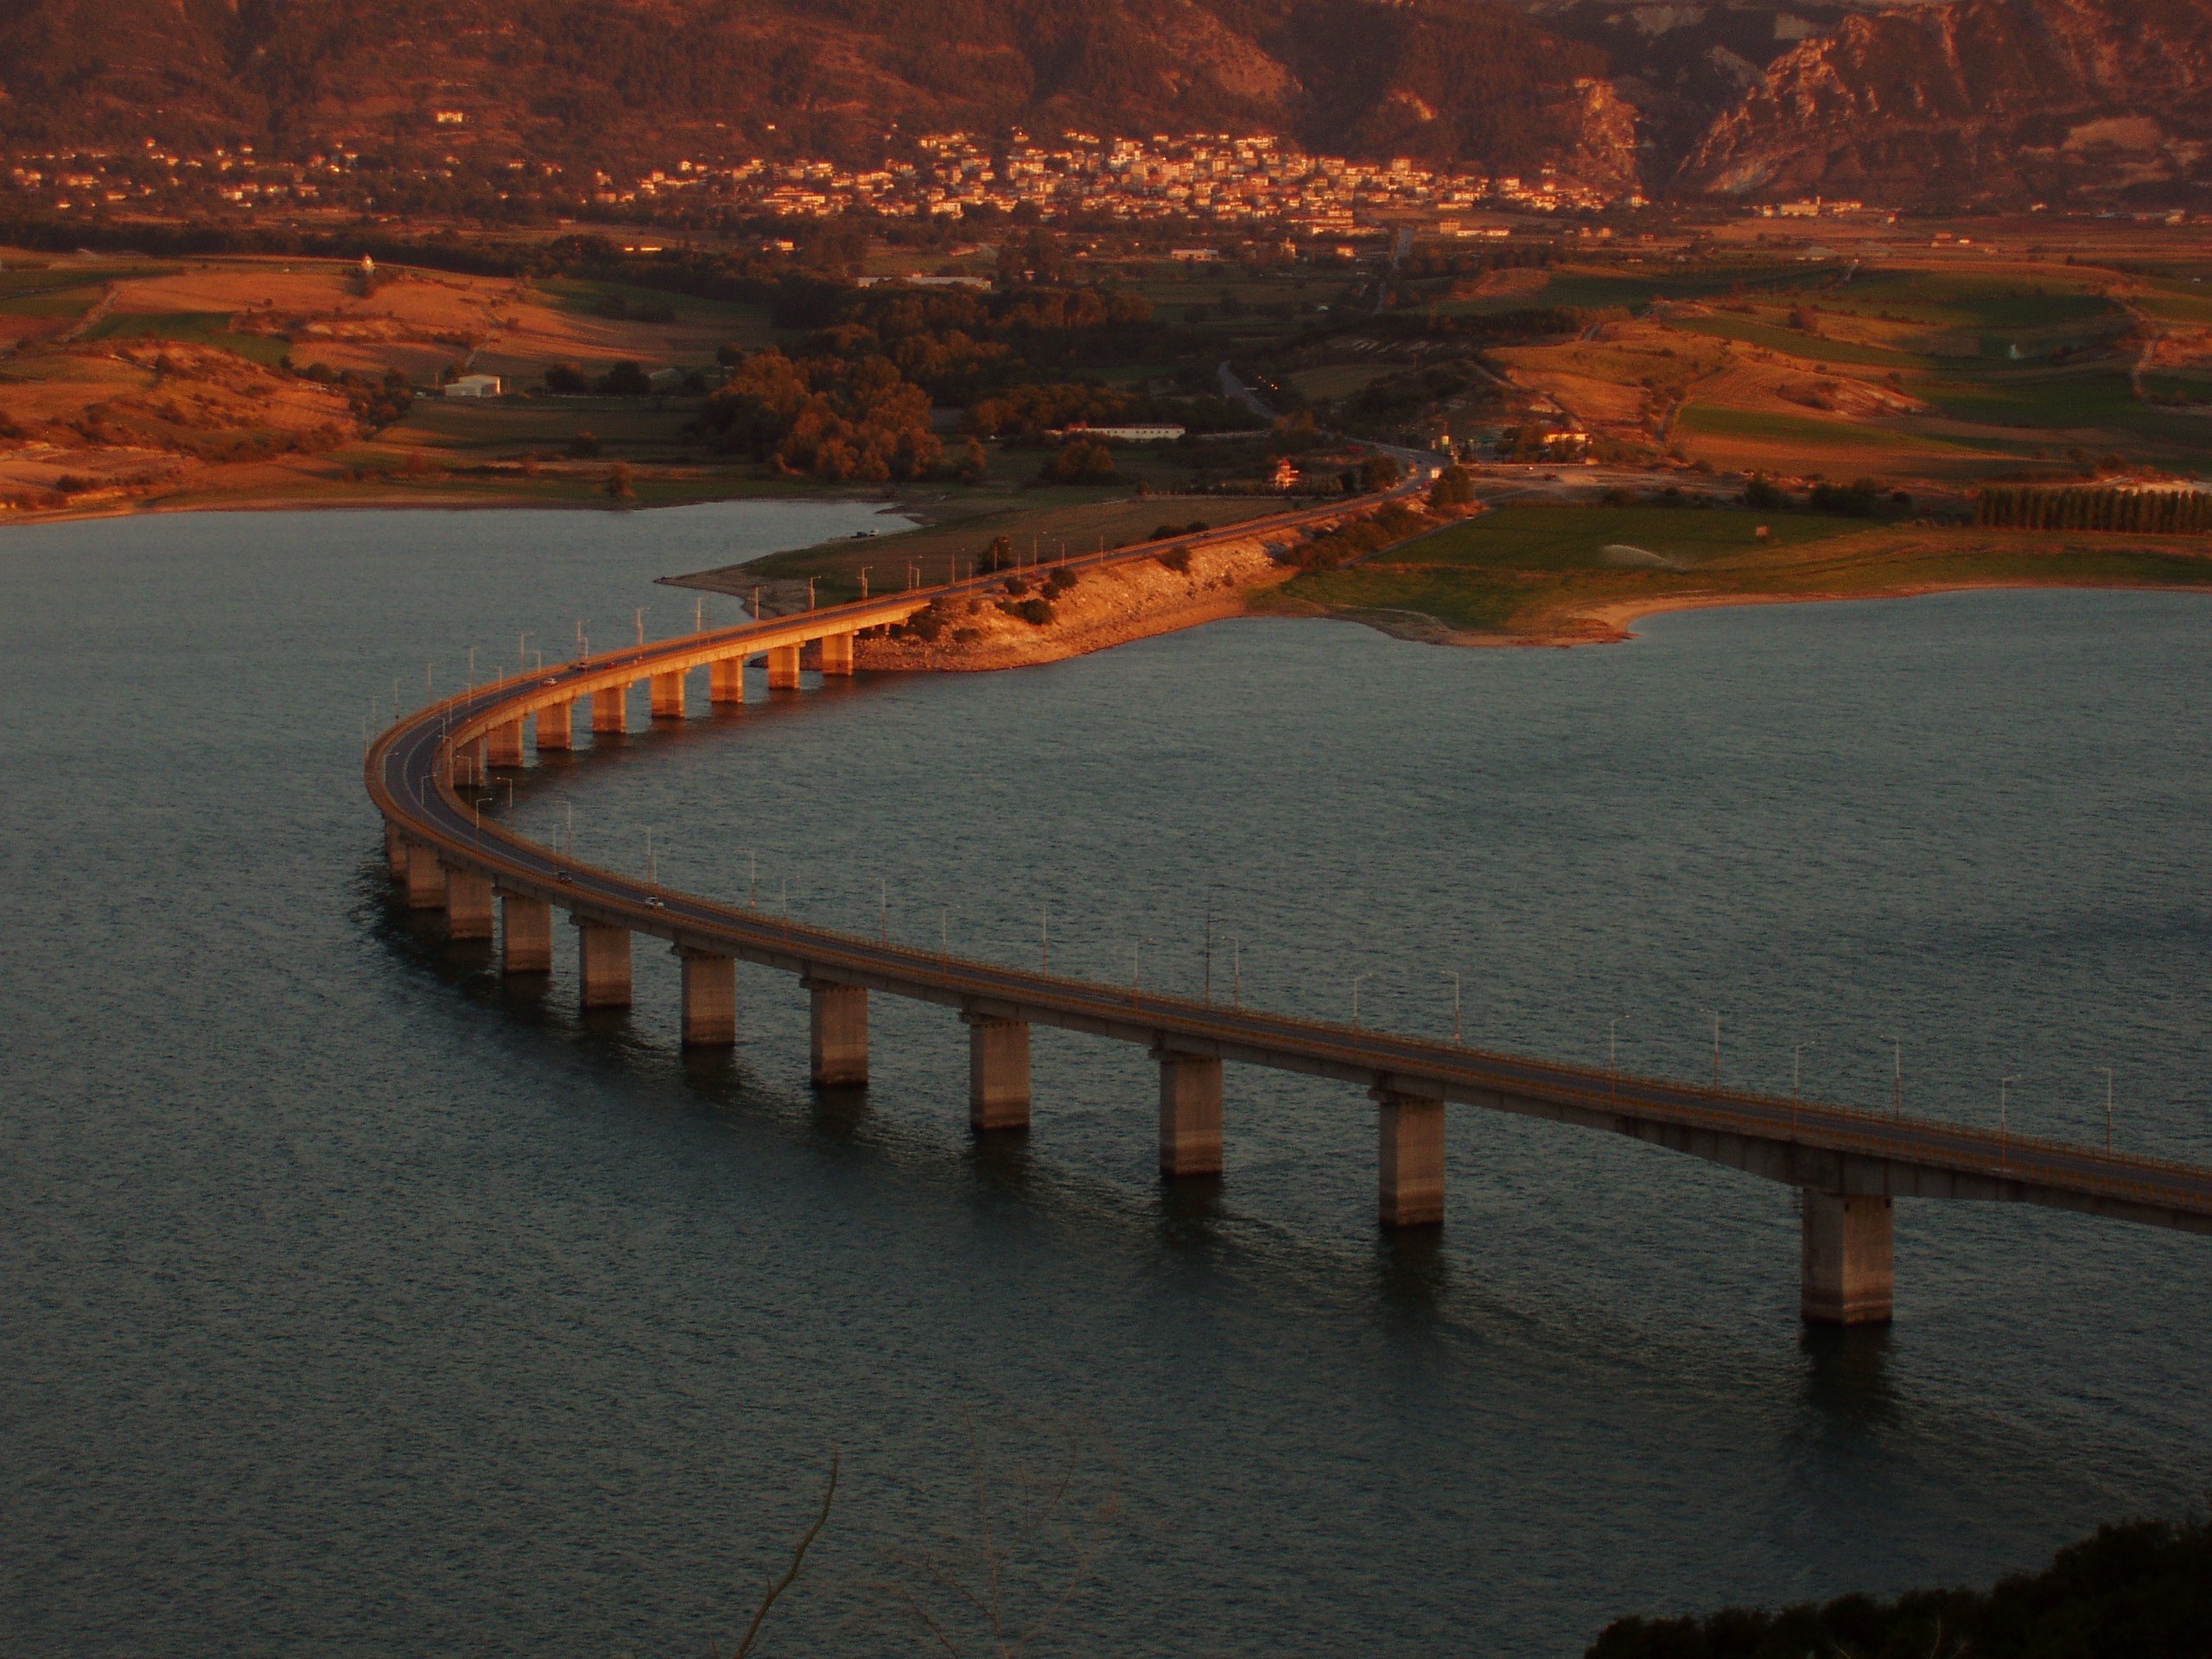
[1897,1078]
[1613,1051]
[1715,1012]
[2107,1072]
[864,570]
[2002,1125]
[1796,1064]
[1454,978]
[1356,980]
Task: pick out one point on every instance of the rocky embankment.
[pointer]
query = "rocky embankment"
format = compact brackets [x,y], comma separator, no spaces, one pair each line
[1105,605]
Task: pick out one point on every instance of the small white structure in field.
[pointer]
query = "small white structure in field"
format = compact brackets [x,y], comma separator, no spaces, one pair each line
[474,386]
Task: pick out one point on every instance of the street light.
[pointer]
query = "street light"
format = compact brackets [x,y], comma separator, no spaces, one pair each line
[2107,1072]
[2003,1126]
[1613,1051]
[1454,978]
[1135,983]
[1716,1044]
[1356,980]
[1796,1064]
[1897,1085]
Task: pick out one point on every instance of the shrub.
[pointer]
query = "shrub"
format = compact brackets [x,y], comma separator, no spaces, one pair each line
[568,379]
[1015,586]
[1454,487]
[999,555]
[1177,559]
[618,482]
[1037,612]
[1763,491]
[1857,500]
[583,446]
[1060,581]
[1080,460]
[624,380]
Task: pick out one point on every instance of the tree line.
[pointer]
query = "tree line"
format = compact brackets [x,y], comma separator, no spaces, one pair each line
[2169,512]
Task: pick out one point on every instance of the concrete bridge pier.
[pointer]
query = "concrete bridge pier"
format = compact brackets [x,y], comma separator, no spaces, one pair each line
[837,653]
[709,999]
[998,1072]
[726,680]
[603,953]
[556,726]
[1410,1159]
[1847,1259]
[468,904]
[502,744]
[468,769]
[668,697]
[426,878]
[1189,1114]
[783,667]
[395,851]
[610,711]
[525,934]
[836,1033]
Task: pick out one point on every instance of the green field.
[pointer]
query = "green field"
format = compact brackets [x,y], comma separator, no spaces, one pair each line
[1542,574]
[1789,342]
[50,303]
[747,324]
[191,328]
[1564,538]
[2179,302]
[2100,401]
[1943,301]
[1715,421]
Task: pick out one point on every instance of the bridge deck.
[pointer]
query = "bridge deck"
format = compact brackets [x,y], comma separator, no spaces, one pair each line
[1824,1147]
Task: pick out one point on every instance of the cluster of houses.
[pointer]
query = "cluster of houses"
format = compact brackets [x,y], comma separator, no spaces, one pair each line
[1214,176]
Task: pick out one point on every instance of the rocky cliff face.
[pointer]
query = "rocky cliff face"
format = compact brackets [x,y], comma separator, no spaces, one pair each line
[1984,103]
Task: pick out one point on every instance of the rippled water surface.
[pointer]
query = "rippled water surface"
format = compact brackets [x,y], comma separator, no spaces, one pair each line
[352,1300]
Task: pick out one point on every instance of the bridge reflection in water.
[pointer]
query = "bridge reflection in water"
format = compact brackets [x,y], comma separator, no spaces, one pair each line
[1849,1166]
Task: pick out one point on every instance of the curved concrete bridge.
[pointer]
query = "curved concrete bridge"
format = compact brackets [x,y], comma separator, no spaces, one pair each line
[1849,1166]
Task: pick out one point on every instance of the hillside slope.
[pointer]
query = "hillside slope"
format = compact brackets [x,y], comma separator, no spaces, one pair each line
[1987,102]
[606,80]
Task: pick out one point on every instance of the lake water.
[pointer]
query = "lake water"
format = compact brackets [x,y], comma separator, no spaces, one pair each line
[352,1301]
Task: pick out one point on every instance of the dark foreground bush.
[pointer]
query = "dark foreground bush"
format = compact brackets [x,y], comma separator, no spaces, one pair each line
[2140,1590]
